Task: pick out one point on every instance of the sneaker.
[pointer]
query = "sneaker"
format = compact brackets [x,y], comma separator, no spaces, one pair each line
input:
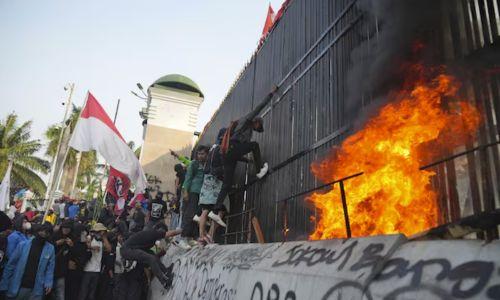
[183,244]
[263,171]
[217,219]
[196,218]
[192,243]
[168,271]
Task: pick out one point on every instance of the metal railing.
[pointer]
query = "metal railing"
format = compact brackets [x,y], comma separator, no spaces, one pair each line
[342,188]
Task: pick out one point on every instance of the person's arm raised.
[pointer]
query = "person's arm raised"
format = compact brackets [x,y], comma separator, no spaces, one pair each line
[262,104]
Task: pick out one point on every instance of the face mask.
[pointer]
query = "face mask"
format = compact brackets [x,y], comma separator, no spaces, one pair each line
[42,235]
[83,237]
[27,226]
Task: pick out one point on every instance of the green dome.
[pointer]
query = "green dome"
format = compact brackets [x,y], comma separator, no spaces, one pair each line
[178,82]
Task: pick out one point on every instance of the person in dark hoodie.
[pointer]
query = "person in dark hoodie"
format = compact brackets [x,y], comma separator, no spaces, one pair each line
[77,258]
[29,273]
[137,247]
[107,216]
[5,230]
[237,143]
[21,227]
[63,243]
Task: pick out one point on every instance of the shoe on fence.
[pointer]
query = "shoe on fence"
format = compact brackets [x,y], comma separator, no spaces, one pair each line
[263,171]
[217,219]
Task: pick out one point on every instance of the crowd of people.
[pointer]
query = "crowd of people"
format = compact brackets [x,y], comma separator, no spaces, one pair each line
[78,250]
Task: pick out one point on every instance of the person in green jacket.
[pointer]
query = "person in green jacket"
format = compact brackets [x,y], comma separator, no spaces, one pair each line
[183,159]
[191,195]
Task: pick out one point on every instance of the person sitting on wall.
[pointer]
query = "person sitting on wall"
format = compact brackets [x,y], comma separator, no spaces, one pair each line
[236,144]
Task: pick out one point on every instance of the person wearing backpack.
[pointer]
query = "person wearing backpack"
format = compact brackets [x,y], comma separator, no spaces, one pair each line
[191,195]
[236,143]
[212,184]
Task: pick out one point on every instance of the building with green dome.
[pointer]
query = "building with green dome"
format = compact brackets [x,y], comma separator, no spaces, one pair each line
[170,119]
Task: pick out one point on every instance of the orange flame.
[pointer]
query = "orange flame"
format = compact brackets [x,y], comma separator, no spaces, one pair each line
[422,121]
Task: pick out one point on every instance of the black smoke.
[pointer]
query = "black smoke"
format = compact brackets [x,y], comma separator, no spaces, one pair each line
[394,26]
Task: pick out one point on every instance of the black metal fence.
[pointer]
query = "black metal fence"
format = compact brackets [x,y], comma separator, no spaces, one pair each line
[308,55]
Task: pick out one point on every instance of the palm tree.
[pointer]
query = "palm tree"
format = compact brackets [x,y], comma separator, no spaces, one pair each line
[15,142]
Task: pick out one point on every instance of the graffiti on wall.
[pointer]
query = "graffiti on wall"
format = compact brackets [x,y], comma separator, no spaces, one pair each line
[352,269]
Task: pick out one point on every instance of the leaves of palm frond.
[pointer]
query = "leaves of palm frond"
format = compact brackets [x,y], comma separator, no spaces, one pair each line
[19,134]
[34,163]
[25,177]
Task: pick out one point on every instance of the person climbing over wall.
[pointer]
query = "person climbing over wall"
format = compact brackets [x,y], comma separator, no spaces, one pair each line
[212,184]
[236,143]
[137,248]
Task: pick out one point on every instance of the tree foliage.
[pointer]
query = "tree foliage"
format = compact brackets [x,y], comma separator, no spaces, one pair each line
[16,143]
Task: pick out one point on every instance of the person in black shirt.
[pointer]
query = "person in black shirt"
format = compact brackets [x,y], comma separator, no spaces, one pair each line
[107,216]
[180,176]
[77,258]
[157,209]
[63,242]
[138,218]
[5,230]
[137,246]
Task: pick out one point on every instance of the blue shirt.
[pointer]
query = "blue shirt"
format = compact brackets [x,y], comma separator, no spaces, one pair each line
[73,211]
[14,239]
[14,270]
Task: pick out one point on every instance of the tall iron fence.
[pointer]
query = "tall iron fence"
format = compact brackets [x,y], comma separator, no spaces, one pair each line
[309,55]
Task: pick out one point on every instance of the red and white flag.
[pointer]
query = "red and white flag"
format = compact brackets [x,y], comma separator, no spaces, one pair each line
[96,131]
[269,21]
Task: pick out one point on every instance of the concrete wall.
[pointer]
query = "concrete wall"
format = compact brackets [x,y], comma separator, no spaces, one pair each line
[171,125]
[156,160]
[383,267]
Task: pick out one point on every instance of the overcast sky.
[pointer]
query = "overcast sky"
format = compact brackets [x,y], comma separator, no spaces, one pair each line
[108,46]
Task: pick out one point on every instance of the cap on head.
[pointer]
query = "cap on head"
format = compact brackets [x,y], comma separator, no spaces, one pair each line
[99,227]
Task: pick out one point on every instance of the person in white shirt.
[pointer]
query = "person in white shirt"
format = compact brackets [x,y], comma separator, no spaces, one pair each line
[97,242]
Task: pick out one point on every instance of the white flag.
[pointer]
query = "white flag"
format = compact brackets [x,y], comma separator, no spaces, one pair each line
[5,189]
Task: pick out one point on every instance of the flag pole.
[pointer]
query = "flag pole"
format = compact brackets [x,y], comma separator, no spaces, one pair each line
[114,122]
[54,162]
[59,173]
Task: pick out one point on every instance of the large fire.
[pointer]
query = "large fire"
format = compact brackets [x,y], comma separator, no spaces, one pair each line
[423,121]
